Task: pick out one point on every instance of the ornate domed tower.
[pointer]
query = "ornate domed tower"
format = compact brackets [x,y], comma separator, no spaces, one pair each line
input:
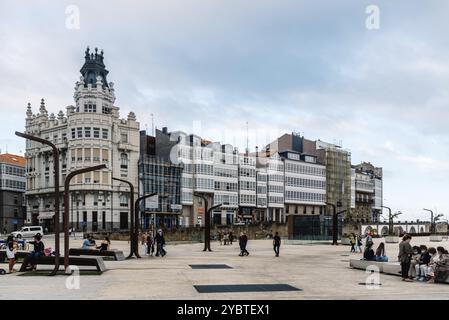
[93,133]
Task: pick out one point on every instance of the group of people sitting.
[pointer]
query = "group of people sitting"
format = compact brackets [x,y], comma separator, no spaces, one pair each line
[426,262]
[225,237]
[418,263]
[379,255]
[89,243]
[38,251]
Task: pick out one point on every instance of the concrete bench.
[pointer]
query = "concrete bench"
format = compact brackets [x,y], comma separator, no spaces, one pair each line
[364,264]
[116,254]
[89,261]
[436,238]
[20,254]
[391,268]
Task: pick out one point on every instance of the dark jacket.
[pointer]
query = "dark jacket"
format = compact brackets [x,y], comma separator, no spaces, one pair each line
[38,246]
[243,240]
[369,254]
[159,239]
[277,240]
[405,252]
[425,258]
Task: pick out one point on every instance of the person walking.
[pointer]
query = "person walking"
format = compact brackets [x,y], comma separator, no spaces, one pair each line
[405,256]
[243,241]
[276,243]
[160,242]
[150,243]
[231,237]
[143,242]
[352,242]
[358,244]
[11,250]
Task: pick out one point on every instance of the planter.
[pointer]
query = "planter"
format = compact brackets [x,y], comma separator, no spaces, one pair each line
[435,238]
[392,239]
[345,241]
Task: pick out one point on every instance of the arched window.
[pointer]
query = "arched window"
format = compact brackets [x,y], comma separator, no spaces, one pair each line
[124,161]
[123,200]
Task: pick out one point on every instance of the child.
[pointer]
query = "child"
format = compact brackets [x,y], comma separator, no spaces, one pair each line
[415,261]
[11,250]
[37,252]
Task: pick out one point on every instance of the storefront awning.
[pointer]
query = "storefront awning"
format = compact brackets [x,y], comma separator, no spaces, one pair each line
[46,215]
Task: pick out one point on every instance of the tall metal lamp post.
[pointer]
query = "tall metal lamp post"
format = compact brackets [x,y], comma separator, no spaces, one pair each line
[135,250]
[132,213]
[390,220]
[435,219]
[432,229]
[67,207]
[207,220]
[335,223]
[56,187]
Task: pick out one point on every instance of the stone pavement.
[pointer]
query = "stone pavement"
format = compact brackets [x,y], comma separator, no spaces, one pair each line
[321,271]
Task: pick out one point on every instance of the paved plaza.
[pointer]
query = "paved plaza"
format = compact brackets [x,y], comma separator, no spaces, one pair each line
[320,271]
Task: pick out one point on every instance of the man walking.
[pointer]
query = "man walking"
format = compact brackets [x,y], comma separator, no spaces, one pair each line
[404,257]
[276,243]
[160,242]
[243,240]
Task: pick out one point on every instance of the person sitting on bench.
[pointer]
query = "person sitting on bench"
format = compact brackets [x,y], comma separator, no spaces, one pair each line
[37,252]
[369,252]
[380,253]
[89,242]
[105,244]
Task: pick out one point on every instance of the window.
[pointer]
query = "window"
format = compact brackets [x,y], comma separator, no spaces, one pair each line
[96,132]
[87,132]
[64,137]
[87,154]
[123,200]
[124,161]
[124,138]
[105,133]
[79,132]
[96,154]
[96,177]
[73,133]
[106,110]
[90,107]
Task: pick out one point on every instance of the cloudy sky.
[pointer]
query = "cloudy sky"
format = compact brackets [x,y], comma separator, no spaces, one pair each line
[305,66]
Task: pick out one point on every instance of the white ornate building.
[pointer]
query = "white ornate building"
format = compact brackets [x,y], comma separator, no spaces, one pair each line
[90,133]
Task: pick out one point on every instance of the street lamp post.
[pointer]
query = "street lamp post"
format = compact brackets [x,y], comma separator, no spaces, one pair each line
[207,213]
[390,220]
[56,187]
[67,207]
[432,229]
[335,223]
[136,224]
[132,213]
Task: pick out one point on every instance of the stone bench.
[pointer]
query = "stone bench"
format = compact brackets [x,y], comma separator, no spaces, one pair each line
[89,261]
[364,264]
[391,268]
[116,254]
[436,238]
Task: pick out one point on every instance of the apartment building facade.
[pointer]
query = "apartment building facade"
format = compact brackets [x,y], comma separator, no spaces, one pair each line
[12,192]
